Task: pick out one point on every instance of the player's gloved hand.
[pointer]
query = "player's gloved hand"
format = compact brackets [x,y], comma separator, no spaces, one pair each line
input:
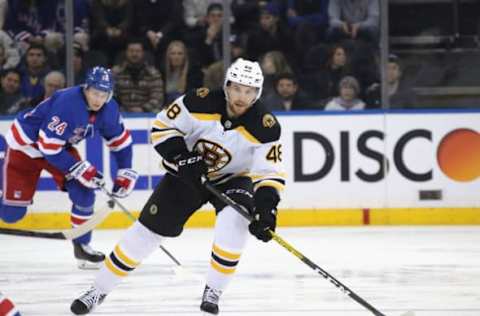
[85,173]
[265,213]
[124,182]
[191,168]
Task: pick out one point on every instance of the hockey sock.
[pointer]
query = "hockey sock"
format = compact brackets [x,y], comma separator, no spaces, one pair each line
[7,308]
[137,244]
[78,217]
[231,233]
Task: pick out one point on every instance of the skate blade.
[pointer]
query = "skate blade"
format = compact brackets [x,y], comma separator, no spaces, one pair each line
[409,313]
[87,265]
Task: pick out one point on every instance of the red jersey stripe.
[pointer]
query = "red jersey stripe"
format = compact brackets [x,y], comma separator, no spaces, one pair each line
[120,141]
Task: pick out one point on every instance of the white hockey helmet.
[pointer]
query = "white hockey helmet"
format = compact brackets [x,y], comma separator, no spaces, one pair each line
[245,72]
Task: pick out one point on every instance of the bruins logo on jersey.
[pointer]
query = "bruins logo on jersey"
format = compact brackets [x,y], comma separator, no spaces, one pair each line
[268,120]
[215,156]
[202,92]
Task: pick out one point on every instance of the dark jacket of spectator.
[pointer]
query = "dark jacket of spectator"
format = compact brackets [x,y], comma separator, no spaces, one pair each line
[33,71]
[158,22]
[81,16]
[9,91]
[111,22]
[270,34]
[24,19]
[314,12]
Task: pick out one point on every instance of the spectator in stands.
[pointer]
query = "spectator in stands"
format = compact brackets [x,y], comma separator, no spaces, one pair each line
[195,13]
[10,56]
[111,22]
[158,23]
[33,22]
[178,72]
[79,67]
[246,13]
[208,44]
[10,91]
[364,65]
[336,68]
[35,68]
[53,81]
[400,94]
[347,99]
[139,86]
[214,74]
[320,81]
[354,19]
[309,76]
[309,19]
[81,22]
[270,34]
[273,63]
[287,96]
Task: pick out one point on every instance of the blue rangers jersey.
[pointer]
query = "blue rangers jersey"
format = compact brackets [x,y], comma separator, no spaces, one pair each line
[64,120]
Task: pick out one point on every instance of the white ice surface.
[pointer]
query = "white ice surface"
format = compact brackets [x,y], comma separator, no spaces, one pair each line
[434,271]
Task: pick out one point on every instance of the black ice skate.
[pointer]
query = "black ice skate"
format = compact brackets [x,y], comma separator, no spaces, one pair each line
[88,258]
[87,302]
[210,301]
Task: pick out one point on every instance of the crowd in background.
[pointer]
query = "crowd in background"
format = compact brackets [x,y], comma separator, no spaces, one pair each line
[315,54]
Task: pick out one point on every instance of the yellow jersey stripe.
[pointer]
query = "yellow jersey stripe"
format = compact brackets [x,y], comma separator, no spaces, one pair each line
[221,269]
[270,183]
[122,256]
[114,269]
[160,124]
[155,136]
[243,131]
[225,254]
[257,177]
[207,117]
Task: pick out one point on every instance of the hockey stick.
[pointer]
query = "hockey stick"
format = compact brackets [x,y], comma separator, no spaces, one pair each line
[244,212]
[69,234]
[179,269]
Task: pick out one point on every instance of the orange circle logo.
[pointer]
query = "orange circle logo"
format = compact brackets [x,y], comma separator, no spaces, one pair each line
[458,155]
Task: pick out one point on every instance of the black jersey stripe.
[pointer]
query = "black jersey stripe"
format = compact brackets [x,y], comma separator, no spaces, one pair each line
[224,262]
[119,264]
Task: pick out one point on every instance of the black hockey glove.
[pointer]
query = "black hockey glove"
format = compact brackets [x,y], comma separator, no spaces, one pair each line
[191,168]
[265,214]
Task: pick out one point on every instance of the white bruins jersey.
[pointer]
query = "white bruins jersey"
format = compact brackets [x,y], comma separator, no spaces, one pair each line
[246,146]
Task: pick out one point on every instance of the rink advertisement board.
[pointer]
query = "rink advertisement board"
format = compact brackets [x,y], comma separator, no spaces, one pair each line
[340,161]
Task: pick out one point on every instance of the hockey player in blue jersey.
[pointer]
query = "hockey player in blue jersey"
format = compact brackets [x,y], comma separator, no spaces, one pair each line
[43,138]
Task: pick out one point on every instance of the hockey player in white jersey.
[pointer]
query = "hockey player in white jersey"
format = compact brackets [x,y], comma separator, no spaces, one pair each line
[227,136]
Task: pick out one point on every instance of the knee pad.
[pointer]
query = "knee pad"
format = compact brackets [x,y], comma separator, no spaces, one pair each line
[12,214]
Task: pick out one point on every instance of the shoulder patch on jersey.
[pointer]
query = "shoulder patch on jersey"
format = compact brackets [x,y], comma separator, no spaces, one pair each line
[262,125]
[268,120]
[202,92]
[203,100]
